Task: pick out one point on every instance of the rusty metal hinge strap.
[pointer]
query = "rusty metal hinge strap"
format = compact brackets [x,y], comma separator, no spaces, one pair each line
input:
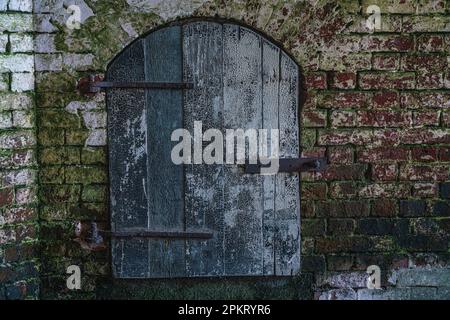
[94,84]
[291,165]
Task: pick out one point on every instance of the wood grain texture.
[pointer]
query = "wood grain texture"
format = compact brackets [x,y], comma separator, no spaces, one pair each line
[163,56]
[270,83]
[243,194]
[203,61]
[128,161]
[287,203]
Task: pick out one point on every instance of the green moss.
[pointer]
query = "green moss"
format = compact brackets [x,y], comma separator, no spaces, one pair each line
[85,174]
[93,155]
[60,193]
[51,175]
[94,193]
[57,119]
[76,136]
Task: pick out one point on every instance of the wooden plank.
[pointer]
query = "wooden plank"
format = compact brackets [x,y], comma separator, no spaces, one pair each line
[163,57]
[127,140]
[287,203]
[271,78]
[203,60]
[243,194]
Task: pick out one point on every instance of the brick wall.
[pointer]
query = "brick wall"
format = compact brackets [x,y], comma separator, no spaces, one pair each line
[18,210]
[377,106]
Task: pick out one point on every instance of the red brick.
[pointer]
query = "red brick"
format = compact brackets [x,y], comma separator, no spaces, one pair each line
[384,208]
[312,119]
[382,61]
[316,80]
[386,99]
[340,155]
[426,80]
[343,80]
[387,43]
[444,154]
[340,227]
[387,137]
[6,197]
[344,100]
[314,152]
[426,118]
[314,191]
[424,153]
[387,80]
[383,155]
[383,119]
[425,135]
[385,190]
[384,172]
[416,100]
[15,215]
[343,118]
[424,190]
[343,189]
[341,137]
[424,62]
[342,172]
[430,43]
[424,173]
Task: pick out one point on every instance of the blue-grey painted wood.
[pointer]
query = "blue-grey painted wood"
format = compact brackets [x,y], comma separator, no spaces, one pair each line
[163,57]
[203,62]
[243,193]
[127,140]
[270,79]
[287,203]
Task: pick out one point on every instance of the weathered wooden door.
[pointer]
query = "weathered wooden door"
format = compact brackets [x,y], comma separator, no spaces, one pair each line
[241,80]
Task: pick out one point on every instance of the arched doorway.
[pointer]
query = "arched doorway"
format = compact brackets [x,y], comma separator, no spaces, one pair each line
[169,220]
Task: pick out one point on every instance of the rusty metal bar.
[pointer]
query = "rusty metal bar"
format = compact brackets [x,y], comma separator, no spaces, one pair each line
[291,165]
[142,85]
[93,84]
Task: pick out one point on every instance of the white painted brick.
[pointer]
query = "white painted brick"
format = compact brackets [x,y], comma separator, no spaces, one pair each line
[5,120]
[3,42]
[25,195]
[19,177]
[17,63]
[48,62]
[42,23]
[17,140]
[21,42]
[23,119]
[48,5]
[21,5]
[96,137]
[14,101]
[22,82]
[78,61]
[94,120]
[44,43]
[3,5]
[16,22]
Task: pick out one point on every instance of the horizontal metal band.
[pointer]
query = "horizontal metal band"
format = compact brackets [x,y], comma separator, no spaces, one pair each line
[161,234]
[142,85]
[291,165]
